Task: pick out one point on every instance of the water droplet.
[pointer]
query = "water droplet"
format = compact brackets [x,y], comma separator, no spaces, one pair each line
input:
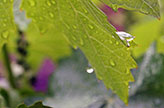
[53,2]
[110,42]
[74,46]
[85,11]
[90,26]
[112,63]
[32,3]
[117,43]
[48,3]
[5,34]
[51,14]
[81,41]
[90,70]
[126,83]
[75,27]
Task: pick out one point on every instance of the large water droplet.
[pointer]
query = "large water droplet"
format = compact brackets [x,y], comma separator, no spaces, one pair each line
[5,34]
[112,63]
[32,3]
[90,70]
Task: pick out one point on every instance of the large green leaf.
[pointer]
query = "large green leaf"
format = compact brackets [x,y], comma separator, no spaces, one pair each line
[149,7]
[7,27]
[87,27]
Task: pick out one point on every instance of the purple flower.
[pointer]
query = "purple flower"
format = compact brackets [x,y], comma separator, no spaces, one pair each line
[42,78]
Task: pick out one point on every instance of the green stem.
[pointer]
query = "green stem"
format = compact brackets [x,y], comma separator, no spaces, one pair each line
[8,66]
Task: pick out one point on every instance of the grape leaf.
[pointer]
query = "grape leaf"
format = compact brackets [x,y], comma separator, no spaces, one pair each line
[148,7]
[7,26]
[36,105]
[50,44]
[87,27]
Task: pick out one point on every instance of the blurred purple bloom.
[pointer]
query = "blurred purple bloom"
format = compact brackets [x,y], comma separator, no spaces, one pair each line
[115,18]
[42,78]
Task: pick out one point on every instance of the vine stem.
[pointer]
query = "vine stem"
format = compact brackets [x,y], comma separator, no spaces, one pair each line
[8,66]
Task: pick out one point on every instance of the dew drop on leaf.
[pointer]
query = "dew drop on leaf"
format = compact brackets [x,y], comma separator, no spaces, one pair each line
[51,14]
[48,3]
[112,63]
[90,26]
[117,43]
[5,34]
[74,27]
[110,42]
[53,2]
[32,2]
[126,83]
